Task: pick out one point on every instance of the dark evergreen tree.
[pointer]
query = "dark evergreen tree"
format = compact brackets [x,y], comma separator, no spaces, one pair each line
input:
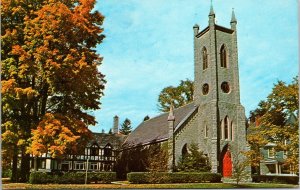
[146,118]
[126,127]
[194,160]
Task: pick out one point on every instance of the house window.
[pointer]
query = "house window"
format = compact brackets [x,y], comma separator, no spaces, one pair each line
[54,165]
[42,164]
[223,56]
[204,57]
[65,166]
[79,165]
[271,152]
[108,150]
[94,150]
[93,166]
[206,131]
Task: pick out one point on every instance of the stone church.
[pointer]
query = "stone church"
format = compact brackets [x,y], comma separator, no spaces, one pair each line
[215,120]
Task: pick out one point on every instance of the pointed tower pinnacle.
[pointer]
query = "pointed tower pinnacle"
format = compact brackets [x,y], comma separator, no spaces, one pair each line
[233,19]
[211,15]
[171,140]
[211,12]
[171,116]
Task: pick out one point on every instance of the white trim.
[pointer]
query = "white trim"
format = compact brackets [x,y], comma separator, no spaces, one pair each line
[76,164]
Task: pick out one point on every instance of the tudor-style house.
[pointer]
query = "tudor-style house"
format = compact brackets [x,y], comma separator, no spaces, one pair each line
[100,154]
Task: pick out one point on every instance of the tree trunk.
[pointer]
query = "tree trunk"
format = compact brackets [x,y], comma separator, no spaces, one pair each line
[25,167]
[14,175]
[258,170]
[35,164]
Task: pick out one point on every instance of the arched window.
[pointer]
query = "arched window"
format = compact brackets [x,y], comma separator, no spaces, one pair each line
[184,151]
[205,59]
[231,131]
[223,57]
[226,128]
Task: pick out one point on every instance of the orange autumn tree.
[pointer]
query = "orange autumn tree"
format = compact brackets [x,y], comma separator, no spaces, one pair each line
[50,78]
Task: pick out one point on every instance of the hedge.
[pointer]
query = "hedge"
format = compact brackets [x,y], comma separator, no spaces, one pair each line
[177,177]
[6,173]
[71,177]
[276,179]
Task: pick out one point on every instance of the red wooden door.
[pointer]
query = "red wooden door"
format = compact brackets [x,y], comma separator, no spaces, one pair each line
[227,165]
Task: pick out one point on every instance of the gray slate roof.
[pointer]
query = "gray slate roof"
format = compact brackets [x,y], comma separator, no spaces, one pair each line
[156,129]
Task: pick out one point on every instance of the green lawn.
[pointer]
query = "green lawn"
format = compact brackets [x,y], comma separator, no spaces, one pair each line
[147,186]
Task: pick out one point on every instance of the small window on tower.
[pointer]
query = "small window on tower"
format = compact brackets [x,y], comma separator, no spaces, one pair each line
[223,56]
[205,89]
[225,87]
[205,59]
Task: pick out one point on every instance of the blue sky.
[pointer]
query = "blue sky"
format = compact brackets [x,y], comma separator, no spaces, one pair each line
[149,45]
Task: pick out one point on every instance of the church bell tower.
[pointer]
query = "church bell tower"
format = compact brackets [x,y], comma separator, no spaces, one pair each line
[217,93]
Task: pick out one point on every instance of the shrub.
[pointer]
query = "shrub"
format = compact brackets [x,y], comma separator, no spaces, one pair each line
[276,179]
[178,177]
[193,160]
[40,177]
[71,177]
[6,173]
[102,177]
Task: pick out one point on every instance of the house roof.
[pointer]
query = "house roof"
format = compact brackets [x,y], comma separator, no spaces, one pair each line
[156,129]
[102,139]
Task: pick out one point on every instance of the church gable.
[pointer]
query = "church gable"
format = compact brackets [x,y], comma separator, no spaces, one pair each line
[156,129]
[217,27]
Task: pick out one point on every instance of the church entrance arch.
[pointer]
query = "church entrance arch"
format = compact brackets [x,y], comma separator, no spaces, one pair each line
[226,162]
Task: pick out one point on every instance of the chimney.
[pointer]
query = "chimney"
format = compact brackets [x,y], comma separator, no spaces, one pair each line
[116,125]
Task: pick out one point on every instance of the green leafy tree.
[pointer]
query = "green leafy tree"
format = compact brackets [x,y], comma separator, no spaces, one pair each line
[178,96]
[276,121]
[256,141]
[194,160]
[126,127]
[49,77]
[239,165]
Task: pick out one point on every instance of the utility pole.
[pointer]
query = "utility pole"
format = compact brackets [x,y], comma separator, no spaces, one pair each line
[86,170]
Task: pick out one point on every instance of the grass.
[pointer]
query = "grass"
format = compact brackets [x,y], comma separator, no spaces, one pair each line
[126,185]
